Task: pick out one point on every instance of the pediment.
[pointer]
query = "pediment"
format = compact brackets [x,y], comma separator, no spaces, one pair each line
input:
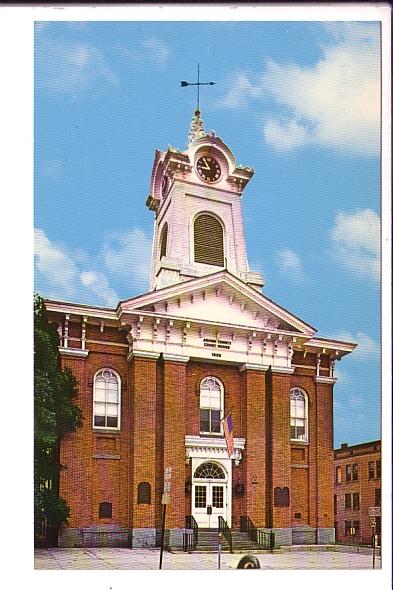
[220,299]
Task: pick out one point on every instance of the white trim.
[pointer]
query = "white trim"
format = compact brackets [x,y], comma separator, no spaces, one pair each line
[108,428]
[322,379]
[219,382]
[304,393]
[178,358]
[142,354]
[285,370]
[77,352]
[253,367]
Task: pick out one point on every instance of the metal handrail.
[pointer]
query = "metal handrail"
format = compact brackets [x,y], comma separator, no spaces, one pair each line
[247,526]
[191,523]
[266,539]
[226,531]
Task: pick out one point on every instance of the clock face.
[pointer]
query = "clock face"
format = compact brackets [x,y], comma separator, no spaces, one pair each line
[164,185]
[208,168]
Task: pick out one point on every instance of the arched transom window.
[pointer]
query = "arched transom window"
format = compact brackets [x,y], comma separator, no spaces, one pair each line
[211,405]
[209,471]
[106,403]
[299,418]
[208,240]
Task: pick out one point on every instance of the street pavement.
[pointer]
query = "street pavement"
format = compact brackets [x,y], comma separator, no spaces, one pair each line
[148,559]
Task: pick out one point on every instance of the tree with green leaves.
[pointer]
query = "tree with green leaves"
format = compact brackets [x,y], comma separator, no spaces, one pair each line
[55,414]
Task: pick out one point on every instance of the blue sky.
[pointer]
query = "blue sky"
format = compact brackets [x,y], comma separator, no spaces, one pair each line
[297,101]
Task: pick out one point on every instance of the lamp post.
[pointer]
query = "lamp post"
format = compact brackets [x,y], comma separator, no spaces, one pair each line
[219,539]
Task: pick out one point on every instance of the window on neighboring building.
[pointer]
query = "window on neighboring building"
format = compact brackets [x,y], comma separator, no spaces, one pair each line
[378,469]
[348,502]
[106,403]
[163,241]
[348,473]
[208,240]
[355,501]
[355,472]
[299,412]
[335,504]
[211,405]
[377,497]
[347,527]
[105,510]
[371,470]
[356,526]
[338,474]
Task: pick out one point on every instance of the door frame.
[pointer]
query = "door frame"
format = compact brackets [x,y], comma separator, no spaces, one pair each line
[226,466]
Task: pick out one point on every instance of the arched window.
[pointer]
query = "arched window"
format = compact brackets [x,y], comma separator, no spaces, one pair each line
[163,241]
[299,415]
[209,471]
[208,240]
[211,405]
[106,399]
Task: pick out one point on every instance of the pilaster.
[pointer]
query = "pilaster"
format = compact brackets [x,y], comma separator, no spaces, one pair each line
[174,430]
[324,456]
[280,445]
[143,423]
[254,466]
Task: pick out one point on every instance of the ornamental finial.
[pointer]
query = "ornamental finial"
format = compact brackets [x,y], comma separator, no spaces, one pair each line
[197,128]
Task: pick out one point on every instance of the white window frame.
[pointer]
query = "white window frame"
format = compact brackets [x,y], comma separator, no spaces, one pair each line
[210,433]
[305,396]
[116,374]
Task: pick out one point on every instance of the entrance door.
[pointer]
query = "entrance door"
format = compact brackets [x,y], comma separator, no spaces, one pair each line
[209,495]
[209,502]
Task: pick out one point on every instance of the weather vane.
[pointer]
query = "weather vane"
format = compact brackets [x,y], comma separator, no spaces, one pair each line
[198,84]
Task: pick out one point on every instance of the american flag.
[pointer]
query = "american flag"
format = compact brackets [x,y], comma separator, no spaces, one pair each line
[228,433]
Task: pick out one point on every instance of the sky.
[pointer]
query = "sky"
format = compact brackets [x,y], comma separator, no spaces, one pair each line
[297,101]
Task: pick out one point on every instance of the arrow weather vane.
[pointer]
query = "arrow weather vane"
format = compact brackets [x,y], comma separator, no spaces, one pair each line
[198,84]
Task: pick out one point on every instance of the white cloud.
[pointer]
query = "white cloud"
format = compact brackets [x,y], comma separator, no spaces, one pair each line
[71,67]
[290,264]
[54,263]
[333,103]
[356,242]
[367,347]
[59,277]
[98,284]
[240,90]
[152,48]
[128,255]
[158,51]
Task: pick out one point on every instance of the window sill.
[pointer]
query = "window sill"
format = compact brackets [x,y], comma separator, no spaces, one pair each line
[103,429]
[299,442]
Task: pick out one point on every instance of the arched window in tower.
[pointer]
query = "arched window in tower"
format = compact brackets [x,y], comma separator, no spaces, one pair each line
[106,399]
[211,405]
[299,414]
[208,240]
[163,241]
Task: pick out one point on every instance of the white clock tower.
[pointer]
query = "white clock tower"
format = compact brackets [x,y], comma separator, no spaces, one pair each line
[196,196]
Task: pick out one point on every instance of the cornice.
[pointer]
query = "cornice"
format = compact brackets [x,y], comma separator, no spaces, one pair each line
[253,367]
[283,370]
[143,354]
[321,379]
[176,358]
[74,352]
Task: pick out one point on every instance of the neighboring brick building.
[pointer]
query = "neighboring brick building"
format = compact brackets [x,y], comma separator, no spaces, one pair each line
[357,487]
[159,373]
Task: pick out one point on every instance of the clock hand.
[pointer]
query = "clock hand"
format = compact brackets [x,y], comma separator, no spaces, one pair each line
[206,166]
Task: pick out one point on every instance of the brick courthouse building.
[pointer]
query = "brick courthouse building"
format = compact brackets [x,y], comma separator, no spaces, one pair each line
[158,374]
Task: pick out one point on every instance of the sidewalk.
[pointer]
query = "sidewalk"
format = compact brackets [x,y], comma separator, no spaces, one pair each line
[148,559]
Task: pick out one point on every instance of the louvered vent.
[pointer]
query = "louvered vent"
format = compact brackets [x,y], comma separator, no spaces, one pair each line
[164,237]
[208,241]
